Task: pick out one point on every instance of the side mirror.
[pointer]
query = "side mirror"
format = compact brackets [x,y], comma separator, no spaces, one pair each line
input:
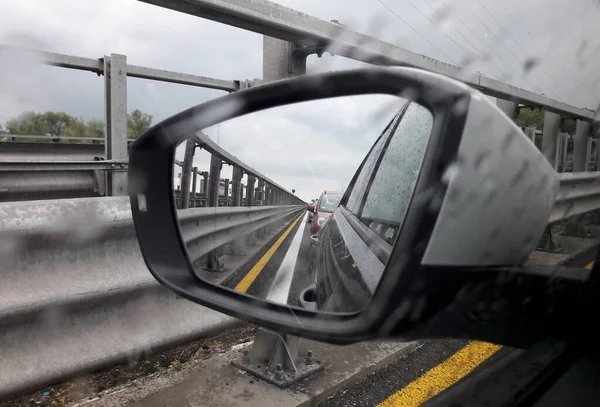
[314,239]
[450,196]
[310,208]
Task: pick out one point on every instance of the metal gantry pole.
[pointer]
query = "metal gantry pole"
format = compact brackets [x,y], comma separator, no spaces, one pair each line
[115,110]
[186,172]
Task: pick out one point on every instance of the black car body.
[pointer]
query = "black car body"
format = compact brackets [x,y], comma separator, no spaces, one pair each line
[350,251]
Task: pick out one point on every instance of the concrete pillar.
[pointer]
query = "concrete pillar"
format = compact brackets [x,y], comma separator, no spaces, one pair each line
[550,137]
[508,107]
[282,59]
[582,133]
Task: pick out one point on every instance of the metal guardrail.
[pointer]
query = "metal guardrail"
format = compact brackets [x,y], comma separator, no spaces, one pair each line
[76,293]
[134,71]
[579,193]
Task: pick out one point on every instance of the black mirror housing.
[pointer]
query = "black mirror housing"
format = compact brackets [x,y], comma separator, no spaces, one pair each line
[415,261]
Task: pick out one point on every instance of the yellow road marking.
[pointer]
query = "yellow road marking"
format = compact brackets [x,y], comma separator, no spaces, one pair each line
[260,265]
[442,376]
[589,266]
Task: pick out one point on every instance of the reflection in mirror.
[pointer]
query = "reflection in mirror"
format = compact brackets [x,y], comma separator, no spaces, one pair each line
[285,204]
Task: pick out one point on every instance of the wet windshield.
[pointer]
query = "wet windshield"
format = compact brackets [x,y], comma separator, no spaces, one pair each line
[85,322]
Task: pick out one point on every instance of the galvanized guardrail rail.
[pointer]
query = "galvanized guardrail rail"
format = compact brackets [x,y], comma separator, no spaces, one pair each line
[76,293]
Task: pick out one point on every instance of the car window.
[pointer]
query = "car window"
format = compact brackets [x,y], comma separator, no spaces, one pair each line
[358,190]
[329,203]
[389,193]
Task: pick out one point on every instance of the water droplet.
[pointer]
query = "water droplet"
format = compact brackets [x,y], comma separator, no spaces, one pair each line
[529,64]
[461,106]
[452,171]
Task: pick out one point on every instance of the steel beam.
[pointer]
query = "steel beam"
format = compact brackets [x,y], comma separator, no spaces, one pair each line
[115,91]
[273,20]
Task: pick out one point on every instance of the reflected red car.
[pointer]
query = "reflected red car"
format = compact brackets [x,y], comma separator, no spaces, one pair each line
[327,203]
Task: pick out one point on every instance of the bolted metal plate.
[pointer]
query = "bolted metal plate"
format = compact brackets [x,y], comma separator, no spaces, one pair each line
[281,379]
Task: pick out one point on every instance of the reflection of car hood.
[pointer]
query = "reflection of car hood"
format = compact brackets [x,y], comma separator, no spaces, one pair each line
[324,214]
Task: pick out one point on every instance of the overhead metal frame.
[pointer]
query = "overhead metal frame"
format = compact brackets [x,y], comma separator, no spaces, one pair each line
[274,20]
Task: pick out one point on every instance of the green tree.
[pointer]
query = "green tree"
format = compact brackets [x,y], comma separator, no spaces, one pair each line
[567,126]
[137,123]
[95,129]
[531,118]
[55,123]
[75,128]
[26,123]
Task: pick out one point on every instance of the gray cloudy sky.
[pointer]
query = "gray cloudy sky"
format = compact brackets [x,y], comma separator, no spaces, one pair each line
[562,34]
[327,140]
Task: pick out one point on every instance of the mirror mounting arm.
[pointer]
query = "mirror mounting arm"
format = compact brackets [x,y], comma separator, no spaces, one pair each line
[517,306]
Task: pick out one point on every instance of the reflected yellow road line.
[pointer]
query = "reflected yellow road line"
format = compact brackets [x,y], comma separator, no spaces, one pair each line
[442,376]
[589,266]
[260,265]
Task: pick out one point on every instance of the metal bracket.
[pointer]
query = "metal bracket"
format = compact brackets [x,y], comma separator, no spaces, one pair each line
[100,179]
[275,359]
[213,263]
[546,243]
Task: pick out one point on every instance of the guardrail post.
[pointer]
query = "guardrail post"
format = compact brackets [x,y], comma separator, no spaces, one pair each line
[212,259]
[236,187]
[546,243]
[250,191]
[574,226]
[259,201]
[250,239]
[259,191]
[550,138]
[115,107]
[275,357]
[267,196]
[205,187]
[236,200]
[282,59]
[226,191]
[186,172]
[590,155]
[194,185]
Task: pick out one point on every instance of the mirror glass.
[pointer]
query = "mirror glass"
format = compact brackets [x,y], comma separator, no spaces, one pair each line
[301,204]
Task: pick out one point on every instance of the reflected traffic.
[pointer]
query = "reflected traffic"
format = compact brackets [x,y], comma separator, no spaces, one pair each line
[314,253]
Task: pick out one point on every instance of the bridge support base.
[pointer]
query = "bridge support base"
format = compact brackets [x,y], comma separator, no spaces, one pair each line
[546,243]
[213,263]
[275,359]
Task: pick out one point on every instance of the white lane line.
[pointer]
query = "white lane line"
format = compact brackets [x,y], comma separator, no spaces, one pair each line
[280,289]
